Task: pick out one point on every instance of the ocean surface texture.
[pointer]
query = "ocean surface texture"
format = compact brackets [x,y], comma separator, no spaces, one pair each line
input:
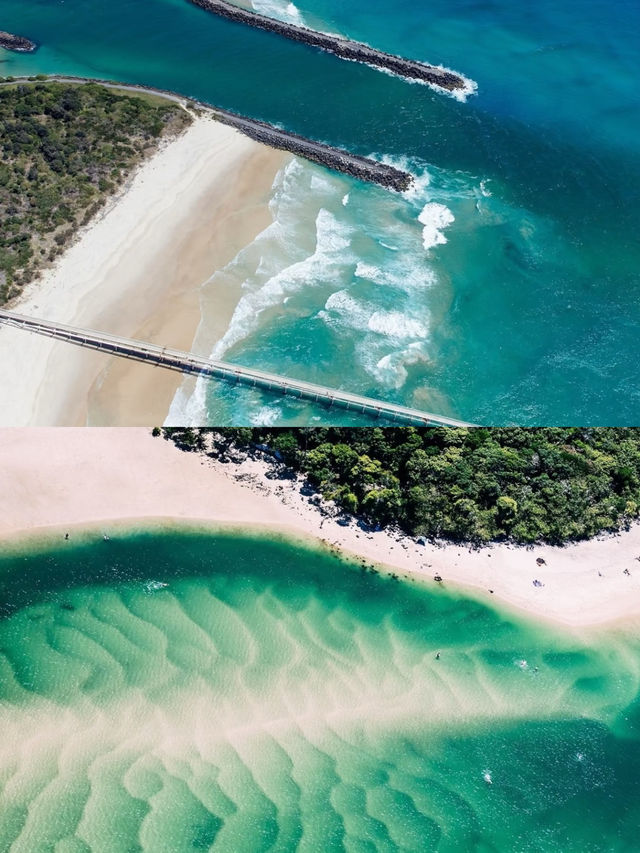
[503,288]
[180,692]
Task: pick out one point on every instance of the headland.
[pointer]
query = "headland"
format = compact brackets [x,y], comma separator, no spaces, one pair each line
[136,269]
[204,196]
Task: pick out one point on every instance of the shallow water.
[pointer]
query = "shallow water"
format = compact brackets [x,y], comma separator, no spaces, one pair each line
[181,691]
[527,314]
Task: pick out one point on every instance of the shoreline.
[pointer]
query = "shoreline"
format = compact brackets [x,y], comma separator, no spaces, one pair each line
[98,480]
[204,196]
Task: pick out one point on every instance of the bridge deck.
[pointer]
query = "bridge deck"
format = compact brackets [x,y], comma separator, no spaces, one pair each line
[186,362]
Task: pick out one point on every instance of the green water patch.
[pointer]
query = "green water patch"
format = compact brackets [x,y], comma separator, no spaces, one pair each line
[184,691]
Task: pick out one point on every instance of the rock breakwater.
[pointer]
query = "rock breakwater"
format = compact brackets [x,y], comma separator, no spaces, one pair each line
[17,43]
[363,168]
[342,47]
[334,158]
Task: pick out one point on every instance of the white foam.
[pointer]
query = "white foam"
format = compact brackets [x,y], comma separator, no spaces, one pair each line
[370,272]
[394,324]
[345,200]
[283,11]
[332,241]
[347,309]
[420,174]
[435,218]
[266,416]
[483,189]
[342,309]
[189,409]
[391,369]
[469,88]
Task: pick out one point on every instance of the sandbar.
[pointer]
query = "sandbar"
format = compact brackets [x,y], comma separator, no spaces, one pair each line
[64,479]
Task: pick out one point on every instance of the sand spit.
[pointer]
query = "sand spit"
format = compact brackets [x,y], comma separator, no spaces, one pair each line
[66,478]
[136,270]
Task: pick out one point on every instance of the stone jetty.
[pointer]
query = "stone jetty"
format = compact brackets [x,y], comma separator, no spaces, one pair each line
[363,168]
[335,158]
[342,47]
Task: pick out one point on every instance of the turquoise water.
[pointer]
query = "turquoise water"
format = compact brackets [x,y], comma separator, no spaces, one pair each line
[181,692]
[527,313]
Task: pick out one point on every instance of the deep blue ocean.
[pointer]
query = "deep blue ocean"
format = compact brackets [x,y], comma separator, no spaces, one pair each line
[504,288]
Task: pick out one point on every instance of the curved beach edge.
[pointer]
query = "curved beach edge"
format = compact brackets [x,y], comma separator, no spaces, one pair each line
[105,479]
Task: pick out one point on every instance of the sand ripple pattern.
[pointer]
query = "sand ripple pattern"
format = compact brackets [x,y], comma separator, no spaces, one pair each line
[277,702]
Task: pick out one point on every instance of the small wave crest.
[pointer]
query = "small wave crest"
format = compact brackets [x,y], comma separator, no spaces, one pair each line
[332,241]
[282,11]
[388,341]
[266,416]
[469,88]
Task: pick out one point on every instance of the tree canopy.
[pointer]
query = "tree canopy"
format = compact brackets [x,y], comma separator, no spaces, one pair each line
[63,150]
[475,485]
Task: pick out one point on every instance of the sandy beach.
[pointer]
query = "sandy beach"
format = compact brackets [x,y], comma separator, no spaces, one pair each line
[55,480]
[136,270]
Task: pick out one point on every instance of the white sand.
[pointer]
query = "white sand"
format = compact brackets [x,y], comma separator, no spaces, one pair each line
[54,478]
[123,269]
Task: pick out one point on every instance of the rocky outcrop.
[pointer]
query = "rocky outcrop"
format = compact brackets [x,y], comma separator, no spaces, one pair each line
[342,47]
[17,43]
[335,158]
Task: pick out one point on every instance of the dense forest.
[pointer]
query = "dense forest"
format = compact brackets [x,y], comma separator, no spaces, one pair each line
[63,150]
[473,485]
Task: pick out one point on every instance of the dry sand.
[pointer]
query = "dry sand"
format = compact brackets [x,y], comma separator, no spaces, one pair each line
[136,271]
[60,479]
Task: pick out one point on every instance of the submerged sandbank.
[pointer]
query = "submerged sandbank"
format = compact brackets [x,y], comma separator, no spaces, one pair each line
[181,692]
[136,271]
[57,479]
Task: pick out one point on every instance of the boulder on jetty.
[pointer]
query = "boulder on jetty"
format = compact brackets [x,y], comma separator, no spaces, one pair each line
[354,165]
[342,47]
[17,43]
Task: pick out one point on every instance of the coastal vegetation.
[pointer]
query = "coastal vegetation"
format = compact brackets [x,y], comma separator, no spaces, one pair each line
[64,150]
[472,485]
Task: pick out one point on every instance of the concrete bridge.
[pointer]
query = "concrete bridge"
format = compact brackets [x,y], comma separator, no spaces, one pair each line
[186,362]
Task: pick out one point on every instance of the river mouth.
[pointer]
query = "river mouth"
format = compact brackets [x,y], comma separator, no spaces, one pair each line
[182,691]
[522,315]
